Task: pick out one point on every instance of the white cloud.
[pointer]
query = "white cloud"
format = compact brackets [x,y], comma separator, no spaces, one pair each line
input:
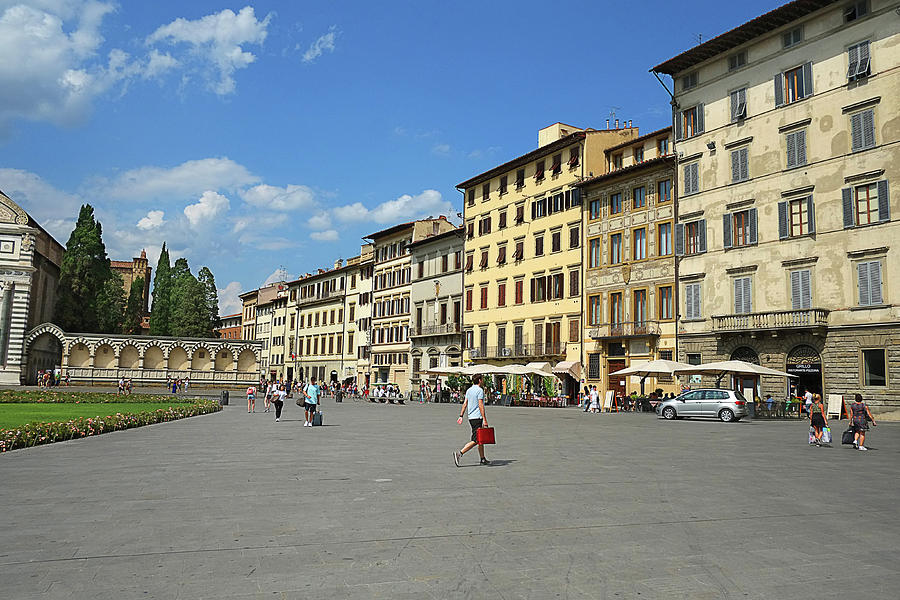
[404,208]
[153,220]
[159,63]
[187,179]
[229,301]
[279,274]
[210,205]
[54,209]
[441,149]
[217,42]
[329,235]
[288,198]
[322,44]
[321,220]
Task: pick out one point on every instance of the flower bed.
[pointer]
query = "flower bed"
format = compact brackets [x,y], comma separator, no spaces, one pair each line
[34,434]
[59,396]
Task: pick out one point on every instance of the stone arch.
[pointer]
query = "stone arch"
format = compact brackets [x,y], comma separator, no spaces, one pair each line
[104,355]
[48,328]
[224,358]
[746,354]
[154,358]
[43,350]
[129,356]
[247,361]
[178,358]
[79,354]
[202,358]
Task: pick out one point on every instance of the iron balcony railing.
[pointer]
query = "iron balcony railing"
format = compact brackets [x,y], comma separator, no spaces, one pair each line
[779,319]
[446,328]
[519,350]
[624,330]
[323,295]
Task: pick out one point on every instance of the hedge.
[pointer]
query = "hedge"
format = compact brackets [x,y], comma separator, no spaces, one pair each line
[62,397]
[34,434]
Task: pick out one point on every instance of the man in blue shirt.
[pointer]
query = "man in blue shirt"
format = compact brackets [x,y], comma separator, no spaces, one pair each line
[474,405]
[312,400]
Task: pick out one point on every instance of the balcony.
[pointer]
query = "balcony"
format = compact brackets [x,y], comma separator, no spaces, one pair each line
[519,351]
[445,329]
[324,295]
[809,318]
[629,329]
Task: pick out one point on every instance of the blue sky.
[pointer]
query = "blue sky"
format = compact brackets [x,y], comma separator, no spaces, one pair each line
[257,136]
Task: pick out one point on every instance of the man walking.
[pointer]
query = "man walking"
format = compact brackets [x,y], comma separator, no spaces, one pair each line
[474,405]
[278,401]
[312,400]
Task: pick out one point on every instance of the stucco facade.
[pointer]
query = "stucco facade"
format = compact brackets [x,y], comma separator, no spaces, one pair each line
[787,201]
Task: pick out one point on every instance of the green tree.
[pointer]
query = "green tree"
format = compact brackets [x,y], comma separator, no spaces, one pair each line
[190,317]
[134,309]
[161,310]
[83,272]
[111,304]
[208,281]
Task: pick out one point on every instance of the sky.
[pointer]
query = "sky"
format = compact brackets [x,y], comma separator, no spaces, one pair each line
[265,140]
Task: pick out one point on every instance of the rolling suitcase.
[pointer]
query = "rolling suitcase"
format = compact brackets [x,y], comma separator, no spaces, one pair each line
[317,418]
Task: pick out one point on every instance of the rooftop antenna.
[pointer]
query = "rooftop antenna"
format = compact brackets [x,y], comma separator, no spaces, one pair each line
[699,38]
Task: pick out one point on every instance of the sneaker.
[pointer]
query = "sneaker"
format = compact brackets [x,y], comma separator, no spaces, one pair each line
[863,448]
[856,444]
[456,457]
[485,461]
[276,420]
[267,410]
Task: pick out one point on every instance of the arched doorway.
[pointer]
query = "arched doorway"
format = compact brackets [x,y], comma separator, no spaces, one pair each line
[748,385]
[806,363]
[44,354]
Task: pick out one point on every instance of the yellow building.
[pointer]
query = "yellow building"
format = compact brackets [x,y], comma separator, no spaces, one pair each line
[629,311]
[787,225]
[523,251]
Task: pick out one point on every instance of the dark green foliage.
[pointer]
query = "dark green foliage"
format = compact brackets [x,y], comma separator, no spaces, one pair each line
[161,311]
[134,309]
[189,314]
[208,281]
[84,270]
[111,304]
[185,301]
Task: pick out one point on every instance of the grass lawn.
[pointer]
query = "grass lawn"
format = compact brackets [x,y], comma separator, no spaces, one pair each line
[15,415]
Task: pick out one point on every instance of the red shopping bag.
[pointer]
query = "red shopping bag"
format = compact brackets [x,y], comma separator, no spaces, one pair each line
[485,435]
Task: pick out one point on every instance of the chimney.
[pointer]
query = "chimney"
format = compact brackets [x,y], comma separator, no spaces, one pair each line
[617,123]
[629,123]
[607,123]
[338,263]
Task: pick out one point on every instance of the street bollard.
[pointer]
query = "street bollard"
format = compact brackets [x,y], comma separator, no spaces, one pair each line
[223,401]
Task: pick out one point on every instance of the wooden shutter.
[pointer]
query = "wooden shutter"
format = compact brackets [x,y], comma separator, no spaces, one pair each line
[847,203]
[695,177]
[576,196]
[689,301]
[735,165]
[696,305]
[875,282]
[533,209]
[687,179]
[699,118]
[863,67]
[868,129]
[801,148]
[807,80]
[852,61]
[748,295]
[742,103]
[779,89]
[856,132]
[679,239]
[796,300]
[805,289]
[727,238]
[783,228]
[739,296]
[884,201]
[701,229]
[745,163]
[533,285]
[862,270]
[810,214]
[753,228]
[734,105]
[679,117]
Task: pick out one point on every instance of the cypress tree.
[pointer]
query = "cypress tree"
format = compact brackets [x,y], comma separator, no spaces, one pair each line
[189,314]
[134,308]
[208,281]
[83,272]
[161,310]
[111,304]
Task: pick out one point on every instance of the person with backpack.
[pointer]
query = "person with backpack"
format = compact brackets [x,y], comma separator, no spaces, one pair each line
[251,399]
[817,419]
[859,421]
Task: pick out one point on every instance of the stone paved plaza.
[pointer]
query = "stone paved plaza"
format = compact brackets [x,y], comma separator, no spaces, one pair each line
[233,505]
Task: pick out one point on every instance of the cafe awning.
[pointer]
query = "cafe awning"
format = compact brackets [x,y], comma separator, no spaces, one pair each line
[570,367]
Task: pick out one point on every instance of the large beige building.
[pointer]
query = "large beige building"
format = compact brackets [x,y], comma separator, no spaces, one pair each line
[629,284]
[523,251]
[787,230]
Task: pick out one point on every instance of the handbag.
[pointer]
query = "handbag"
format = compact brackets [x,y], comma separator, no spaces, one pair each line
[812,434]
[485,435]
[848,436]
[299,401]
[826,435]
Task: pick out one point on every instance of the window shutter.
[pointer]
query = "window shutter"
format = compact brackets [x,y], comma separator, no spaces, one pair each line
[742,103]
[884,201]
[807,80]
[687,179]
[847,202]
[868,129]
[726,230]
[734,105]
[576,196]
[735,165]
[791,150]
[779,89]
[678,118]
[782,220]
[679,239]
[856,132]
[852,61]
[695,177]
[748,295]
[865,297]
[753,228]
[796,292]
[805,289]
[811,214]
[533,280]
[863,67]
[533,209]
[801,148]
[875,282]
[701,227]
[689,301]
[739,296]
[568,200]
[697,304]
[700,118]
[745,164]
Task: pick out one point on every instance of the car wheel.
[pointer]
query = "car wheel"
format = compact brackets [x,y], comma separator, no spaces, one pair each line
[668,413]
[727,415]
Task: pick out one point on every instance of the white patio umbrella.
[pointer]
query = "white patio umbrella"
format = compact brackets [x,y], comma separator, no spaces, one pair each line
[722,368]
[653,367]
[445,370]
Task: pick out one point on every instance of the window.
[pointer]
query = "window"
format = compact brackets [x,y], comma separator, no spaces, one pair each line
[485,192]
[574,155]
[539,170]
[869,281]
[595,310]
[617,161]
[556,241]
[690,123]
[874,367]
[574,237]
[557,288]
[520,214]
[794,84]
[501,337]
[616,308]
[538,288]
[471,196]
[538,208]
[594,366]
[801,292]
[664,239]
[856,10]
[470,229]
[520,291]
[639,307]
[615,203]
[692,303]
[483,345]
[738,60]
[692,178]
[484,296]
[501,294]
[862,128]
[520,250]
[743,303]
[638,154]
[501,255]
[639,244]
[615,248]
[689,81]
[796,217]
[663,190]
[574,284]
[470,259]
[858,61]
[664,303]
[469,299]
[574,197]
[595,208]
[865,204]
[639,197]
[457,260]
[574,330]
[796,149]
[792,37]
[743,228]
[421,270]
[484,226]
[539,245]
[484,259]
[738,105]
[520,179]
[594,249]
[662,146]
[503,185]
[445,263]
[556,167]
[502,220]
[740,165]
[691,237]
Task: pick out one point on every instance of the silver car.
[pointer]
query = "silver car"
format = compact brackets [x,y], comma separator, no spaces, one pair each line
[726,405]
